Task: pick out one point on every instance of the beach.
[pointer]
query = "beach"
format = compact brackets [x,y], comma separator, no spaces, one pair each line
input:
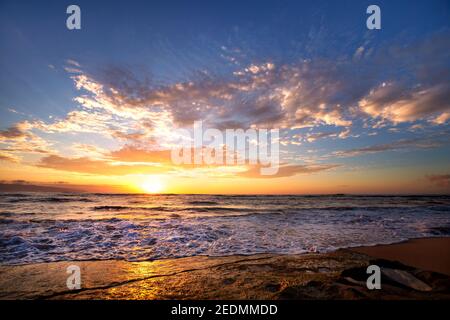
[431,254]
[135,246]
[337,275]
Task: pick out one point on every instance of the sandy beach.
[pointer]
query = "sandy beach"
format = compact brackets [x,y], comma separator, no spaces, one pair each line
[432,254]
[336,275]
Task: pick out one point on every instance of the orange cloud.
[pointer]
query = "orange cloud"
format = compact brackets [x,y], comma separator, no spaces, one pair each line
[8,157]
[442,180]
[287,170]
[133,154]
[398,104]
[97,167]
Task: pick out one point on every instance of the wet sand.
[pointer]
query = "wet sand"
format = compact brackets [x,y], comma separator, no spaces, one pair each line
[337,275]
[432,254]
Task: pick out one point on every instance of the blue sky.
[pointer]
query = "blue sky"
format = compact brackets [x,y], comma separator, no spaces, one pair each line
[342,94]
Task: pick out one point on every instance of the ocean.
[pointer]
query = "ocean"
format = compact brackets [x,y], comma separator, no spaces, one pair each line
[44,227]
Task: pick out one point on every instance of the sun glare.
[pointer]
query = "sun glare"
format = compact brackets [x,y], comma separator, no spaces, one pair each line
[152,185]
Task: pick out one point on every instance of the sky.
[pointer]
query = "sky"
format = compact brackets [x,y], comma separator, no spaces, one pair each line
[358,111]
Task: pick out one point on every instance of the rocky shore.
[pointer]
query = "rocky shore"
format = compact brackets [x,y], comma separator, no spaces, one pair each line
[338,275]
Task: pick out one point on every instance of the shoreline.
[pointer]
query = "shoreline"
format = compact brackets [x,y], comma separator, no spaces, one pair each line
[336,275]
[355,248]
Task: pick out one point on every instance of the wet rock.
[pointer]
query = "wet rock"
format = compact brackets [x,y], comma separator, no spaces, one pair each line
[358,274]
[272,287]
[229,281]
[338,275]
[406,279]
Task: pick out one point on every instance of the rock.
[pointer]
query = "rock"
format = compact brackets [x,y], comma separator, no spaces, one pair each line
[272,287]
[406,279]
[263,276]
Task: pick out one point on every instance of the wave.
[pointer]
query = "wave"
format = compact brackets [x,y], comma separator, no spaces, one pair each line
[6,221]
[173,209]
[203,202]
[50,199]
[14,195]
[111,208]
[142,227]
[440,230]
[131,208]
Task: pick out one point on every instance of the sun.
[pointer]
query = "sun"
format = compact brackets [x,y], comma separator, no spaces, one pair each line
[152,185]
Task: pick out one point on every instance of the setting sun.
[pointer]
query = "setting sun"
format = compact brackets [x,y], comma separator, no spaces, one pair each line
[152,185]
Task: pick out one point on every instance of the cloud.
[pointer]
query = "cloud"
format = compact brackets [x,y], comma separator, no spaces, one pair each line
[126,160]
[15,132]
[89,150]
[130,108]
[311,137]
[19,138]
[78,121]
[442,118]
[286,170]
[27,186]
[133,154]
[397,104]
[442,180]
[305,93]
[259,95]
[8,157]
[132,160]
[422,91]
[73,63]
[420,143]
[98,167]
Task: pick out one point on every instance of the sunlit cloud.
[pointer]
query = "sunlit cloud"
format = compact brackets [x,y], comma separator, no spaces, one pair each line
[404,144]
[129,118]
[398,104]
[287,170]
[8,157]
[98,167]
